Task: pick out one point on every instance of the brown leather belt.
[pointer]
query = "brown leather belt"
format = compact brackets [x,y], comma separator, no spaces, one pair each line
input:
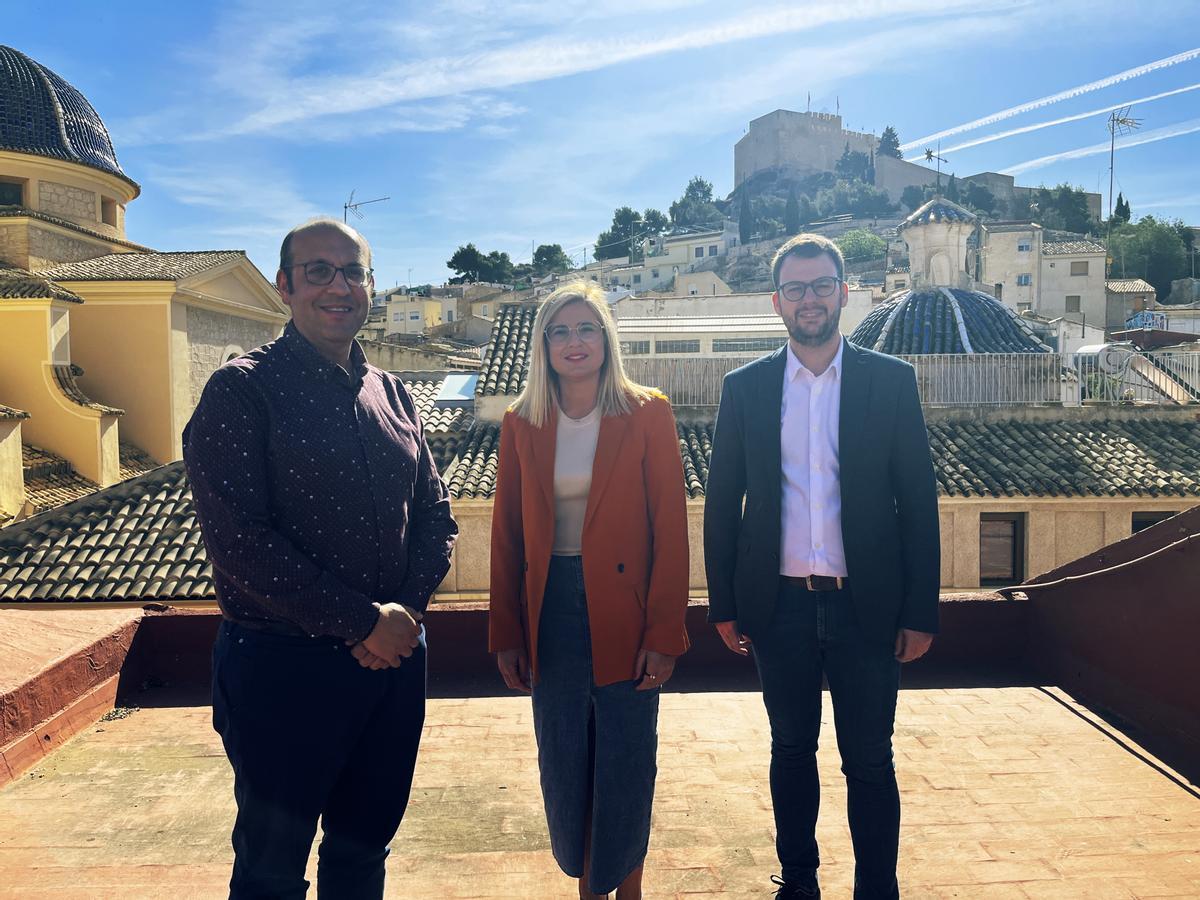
[816,582]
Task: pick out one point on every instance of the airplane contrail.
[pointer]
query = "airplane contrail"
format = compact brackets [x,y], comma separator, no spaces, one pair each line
[1068,94]
[1025,129]
[1150,137]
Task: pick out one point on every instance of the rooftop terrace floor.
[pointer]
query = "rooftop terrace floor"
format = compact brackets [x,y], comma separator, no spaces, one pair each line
[1013,792]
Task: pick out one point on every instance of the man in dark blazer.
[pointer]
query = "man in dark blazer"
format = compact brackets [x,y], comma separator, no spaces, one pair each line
[822,553]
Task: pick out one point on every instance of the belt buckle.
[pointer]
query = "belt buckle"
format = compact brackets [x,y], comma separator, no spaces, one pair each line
[808,582]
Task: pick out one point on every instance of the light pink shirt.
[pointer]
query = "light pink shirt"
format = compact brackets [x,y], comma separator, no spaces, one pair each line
[811,520]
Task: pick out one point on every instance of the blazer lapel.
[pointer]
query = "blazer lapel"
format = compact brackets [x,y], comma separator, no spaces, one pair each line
[543,441]
[852,413]
[767,428]
[608,443]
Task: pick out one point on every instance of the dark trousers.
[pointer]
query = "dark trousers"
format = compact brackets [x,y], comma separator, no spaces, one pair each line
[597,746]
[815,634]
[312,734]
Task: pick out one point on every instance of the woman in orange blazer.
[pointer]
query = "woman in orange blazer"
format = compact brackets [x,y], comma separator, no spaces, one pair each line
[589,583]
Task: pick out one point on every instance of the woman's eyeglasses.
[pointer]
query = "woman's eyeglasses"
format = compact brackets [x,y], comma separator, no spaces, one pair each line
[588,332]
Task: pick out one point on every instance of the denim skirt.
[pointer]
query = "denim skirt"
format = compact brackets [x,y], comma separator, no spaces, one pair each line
[596,745]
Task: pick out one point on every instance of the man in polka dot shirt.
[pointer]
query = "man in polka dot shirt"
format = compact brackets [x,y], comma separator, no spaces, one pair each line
[328,529]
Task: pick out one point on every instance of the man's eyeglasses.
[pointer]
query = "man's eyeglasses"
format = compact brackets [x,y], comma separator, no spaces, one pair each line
[588,332]
[821,287]
[319,274]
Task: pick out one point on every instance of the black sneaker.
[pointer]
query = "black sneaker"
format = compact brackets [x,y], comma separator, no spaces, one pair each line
[794,889]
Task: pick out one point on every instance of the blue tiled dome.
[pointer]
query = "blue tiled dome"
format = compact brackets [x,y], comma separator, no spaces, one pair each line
[945,320]
[42,114]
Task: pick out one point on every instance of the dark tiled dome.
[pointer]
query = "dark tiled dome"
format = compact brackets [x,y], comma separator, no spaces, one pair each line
[42,114]
[938,209]
[945,320]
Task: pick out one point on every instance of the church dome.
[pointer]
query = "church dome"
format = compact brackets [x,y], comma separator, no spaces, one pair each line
[44,115]
[945,320]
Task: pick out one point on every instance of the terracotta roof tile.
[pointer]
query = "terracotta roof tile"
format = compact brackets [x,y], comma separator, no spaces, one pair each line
[135,541]
[424,391]
[8,412]
[1071,248]
[65,377]
[1128,286]
[506,359]
[146,266]
[19,284]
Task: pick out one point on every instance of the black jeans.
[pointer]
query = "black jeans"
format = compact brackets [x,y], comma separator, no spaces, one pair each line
[310,733]
[815,633]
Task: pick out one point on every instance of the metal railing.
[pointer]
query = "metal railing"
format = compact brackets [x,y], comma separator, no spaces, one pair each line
[980,379]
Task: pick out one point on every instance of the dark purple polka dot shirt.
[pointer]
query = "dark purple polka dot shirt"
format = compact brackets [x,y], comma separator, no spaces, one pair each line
[315,491]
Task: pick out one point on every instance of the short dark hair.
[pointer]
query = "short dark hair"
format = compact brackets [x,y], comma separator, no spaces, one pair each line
[285,249]
[807,246]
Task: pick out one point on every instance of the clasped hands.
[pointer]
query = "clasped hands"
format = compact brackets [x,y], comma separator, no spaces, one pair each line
[654,669]
[395,636]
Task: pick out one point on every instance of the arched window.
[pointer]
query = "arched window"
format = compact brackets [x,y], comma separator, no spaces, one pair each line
[231,351]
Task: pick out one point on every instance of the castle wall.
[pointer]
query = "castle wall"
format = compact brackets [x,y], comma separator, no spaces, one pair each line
[807,142]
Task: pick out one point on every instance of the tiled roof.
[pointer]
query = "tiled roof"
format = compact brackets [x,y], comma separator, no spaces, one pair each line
[46,115]
[8,412]
[18,284]
[1128,286]
[506,360]
[928,321]
[148,266]
[136,541]
[1071,248]
[65,376]
[1135,457]
[1149,457]
[424,391]
[26,212]
[939,209]
[472,475]
[50,480]
[136,461]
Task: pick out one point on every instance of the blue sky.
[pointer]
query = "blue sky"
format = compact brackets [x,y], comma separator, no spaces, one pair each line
[510,124]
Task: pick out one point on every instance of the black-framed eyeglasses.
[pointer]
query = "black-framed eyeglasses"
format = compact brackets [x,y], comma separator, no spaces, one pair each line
[588,332]
[821,287]
[320,273]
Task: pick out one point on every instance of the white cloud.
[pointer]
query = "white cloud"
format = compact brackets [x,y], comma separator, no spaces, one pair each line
[1037,126]
[1135,140]
[1068,94]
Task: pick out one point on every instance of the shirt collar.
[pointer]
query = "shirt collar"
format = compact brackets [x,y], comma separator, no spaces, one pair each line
[310,357]
[793,367]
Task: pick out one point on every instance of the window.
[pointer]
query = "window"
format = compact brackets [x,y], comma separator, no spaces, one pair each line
[677,346]
[1001,548]
[654,273]
[712,249]
[1079,267]
[637,279]
[998,291]
[12,193]
[396,316]
[414,315]
[449,315]
[699,253]
[901,284]
[1072,303]
[635,348]
[1024,280]
[483,311]
[693,290]
[1024,307]
[747,345]
[108,211]
[1024,246]
[1143,520]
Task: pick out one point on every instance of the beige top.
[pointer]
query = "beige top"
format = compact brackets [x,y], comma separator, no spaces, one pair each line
[574,451]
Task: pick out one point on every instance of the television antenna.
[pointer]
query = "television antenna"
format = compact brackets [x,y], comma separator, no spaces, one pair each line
[1119,123]
[351,207]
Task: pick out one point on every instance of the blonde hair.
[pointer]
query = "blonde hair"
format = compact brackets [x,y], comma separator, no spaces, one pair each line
[617,394]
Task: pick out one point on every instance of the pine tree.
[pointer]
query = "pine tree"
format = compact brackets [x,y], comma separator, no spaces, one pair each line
[889,143]
[952,190]
[791,214]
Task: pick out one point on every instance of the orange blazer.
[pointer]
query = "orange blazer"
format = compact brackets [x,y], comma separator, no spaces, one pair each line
[635,540]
